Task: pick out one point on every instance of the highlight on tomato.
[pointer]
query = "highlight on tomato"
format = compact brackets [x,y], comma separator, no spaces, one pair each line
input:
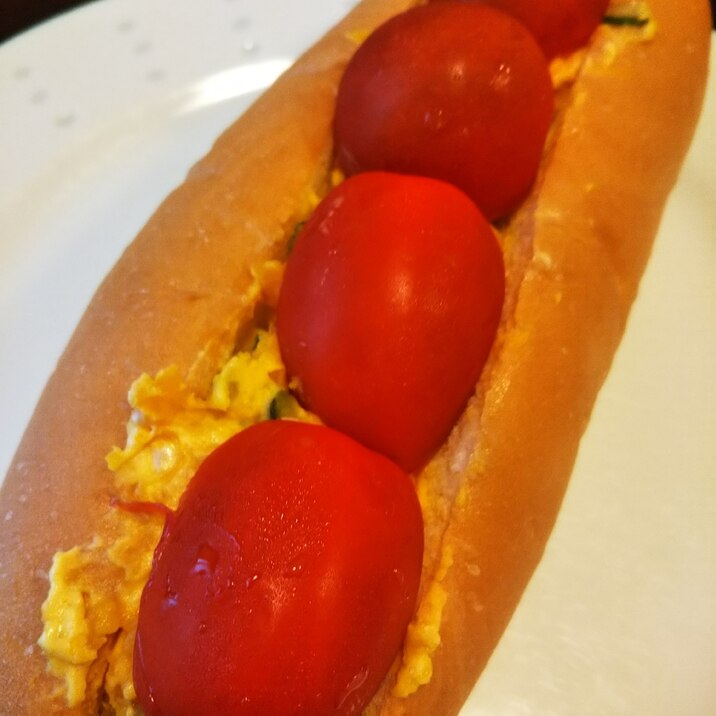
[284,581]
[388,310]
[457,91]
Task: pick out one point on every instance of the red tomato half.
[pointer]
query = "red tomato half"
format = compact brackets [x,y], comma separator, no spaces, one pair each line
[284,582]
[560,26]
[456,91]
[388,310]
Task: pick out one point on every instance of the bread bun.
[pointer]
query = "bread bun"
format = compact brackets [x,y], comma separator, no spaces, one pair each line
[571,290]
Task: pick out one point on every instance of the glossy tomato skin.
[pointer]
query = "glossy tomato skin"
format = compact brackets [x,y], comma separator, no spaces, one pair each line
[559,26]
[388,310]
[456,91]
[284,582]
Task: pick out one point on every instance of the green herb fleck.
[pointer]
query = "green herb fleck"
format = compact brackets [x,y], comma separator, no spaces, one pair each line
[625,21]
[294,235]
[283,405]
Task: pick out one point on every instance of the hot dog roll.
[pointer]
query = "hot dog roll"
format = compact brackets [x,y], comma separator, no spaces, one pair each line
[185,293]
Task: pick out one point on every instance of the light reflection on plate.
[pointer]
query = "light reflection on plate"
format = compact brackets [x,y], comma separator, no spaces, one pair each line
[232,83]
[101,114]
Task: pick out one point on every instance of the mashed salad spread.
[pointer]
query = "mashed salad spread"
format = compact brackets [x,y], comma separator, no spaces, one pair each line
[90,614]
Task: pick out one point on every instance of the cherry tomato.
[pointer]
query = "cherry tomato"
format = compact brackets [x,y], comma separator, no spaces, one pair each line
[388,310]
[456,91]
[560,26]
[284,582]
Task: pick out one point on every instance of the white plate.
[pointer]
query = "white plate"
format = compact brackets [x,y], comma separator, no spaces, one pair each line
[101,114]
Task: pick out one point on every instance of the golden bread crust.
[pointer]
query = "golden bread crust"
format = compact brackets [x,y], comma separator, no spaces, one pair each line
[175,297]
